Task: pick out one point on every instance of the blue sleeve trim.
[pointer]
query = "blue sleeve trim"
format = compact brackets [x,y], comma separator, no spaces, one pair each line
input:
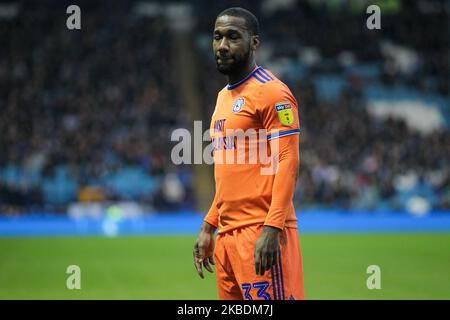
[282,134]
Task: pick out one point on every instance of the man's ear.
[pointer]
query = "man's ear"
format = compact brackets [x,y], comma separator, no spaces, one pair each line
[255,42]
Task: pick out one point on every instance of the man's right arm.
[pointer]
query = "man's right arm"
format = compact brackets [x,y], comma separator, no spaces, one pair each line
[212,217]
[204,246]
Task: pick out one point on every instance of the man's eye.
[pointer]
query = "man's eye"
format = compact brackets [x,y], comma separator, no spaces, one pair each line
[234,36]
[216,37]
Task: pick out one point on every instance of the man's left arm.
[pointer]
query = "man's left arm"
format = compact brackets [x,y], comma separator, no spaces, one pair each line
[287,161]
[279,115]
[285,180]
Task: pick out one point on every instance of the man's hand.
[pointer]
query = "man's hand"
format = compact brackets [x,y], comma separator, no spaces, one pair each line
[204,249]
[267,249]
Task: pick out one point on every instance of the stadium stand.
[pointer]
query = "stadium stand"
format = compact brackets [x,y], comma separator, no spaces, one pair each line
[87,116]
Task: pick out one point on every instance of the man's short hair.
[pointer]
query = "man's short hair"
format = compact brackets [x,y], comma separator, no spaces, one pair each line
[250,20]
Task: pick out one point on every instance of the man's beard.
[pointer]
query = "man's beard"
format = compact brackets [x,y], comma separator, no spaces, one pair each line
[236,66]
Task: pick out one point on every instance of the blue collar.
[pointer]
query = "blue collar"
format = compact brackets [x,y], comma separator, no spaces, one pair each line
[233,86]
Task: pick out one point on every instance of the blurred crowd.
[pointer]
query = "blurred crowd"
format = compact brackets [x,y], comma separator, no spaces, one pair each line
[87,115]
[352,160]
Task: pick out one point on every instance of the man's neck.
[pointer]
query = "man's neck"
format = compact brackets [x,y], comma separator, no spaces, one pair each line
[235,78]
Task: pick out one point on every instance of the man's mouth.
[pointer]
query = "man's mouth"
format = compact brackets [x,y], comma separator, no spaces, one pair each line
[224,59]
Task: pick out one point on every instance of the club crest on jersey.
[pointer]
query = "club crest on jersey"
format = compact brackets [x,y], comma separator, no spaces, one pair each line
[285,113]
[238,105]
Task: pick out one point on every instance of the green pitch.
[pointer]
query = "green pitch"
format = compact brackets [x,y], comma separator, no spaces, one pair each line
[413,266]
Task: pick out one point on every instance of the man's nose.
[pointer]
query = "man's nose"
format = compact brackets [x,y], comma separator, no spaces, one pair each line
[223,45]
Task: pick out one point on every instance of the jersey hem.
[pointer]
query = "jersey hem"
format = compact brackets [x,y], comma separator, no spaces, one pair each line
[228,229]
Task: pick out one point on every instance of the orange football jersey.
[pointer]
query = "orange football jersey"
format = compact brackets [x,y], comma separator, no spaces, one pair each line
[248,114]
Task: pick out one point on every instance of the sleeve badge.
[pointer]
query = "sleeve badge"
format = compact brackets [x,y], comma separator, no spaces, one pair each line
[285,113]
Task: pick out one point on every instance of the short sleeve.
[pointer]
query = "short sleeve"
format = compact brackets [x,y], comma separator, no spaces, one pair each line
[278,111]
